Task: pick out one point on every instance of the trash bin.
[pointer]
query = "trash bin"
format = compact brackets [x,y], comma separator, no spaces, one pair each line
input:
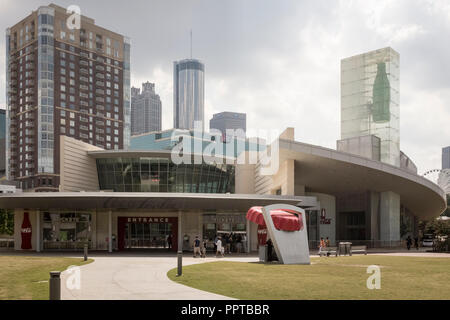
[263,253]
[345,248]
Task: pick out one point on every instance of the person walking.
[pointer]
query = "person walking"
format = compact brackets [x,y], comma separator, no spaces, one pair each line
[169,241]
[244,243]
[239,243]
[269,250]
[219,250]
[228,243]
[197,250]
[408,242]
[416,243]
[215,241]
[204,246]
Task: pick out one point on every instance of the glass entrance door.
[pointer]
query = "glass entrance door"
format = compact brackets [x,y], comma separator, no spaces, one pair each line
[147,235]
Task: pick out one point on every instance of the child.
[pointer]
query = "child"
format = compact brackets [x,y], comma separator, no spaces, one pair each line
[321,246]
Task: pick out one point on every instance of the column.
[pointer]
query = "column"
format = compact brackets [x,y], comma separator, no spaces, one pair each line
[180,237]
[110,231]
[389,216]
[248,237]
[38,231]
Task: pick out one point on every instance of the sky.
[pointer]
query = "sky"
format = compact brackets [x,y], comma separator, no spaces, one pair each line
[279,60]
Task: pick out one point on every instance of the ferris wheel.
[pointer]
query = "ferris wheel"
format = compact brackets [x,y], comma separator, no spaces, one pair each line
[441,177]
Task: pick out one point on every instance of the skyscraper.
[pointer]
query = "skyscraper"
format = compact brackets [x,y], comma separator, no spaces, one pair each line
[446,158]
[189,93]
[370,98]
[145,109]
[62,82]
[2,141]
[229,121]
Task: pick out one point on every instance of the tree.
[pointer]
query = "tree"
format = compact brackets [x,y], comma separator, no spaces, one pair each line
[447,212]
[6,222]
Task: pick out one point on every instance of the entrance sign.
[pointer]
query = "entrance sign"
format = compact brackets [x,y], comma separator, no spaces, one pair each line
[285,227]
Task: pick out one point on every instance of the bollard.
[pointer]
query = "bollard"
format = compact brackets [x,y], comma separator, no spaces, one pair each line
[85,252]
[180,263]
[55,285]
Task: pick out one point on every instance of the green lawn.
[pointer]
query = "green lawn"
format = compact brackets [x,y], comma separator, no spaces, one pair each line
[326,278]
[26,278]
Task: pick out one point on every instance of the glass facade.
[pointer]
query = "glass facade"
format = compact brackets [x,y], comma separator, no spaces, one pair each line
[370,100]
[161,175]
[46,139]
[189,94]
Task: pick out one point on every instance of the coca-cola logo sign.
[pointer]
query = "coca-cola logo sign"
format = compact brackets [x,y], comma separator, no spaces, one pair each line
[323,217]
[262,235]
[26,230]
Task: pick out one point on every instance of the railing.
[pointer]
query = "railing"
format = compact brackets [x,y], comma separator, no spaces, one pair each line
[7,244]
[65,245]
[371,244]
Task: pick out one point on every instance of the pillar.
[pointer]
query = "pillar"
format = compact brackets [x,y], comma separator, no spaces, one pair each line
[110,231]
[248,237]
[180,237]
[38,231]
[389,216]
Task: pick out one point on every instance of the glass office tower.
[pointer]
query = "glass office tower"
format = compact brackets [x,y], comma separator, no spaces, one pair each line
[189,93]
[370,100]
[446,158]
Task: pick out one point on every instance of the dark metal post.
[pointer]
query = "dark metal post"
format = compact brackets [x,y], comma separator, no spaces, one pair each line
[180,263]
[55,285]
[85,252]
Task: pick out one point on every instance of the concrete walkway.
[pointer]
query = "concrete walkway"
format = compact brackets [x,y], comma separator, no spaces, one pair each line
[136,278]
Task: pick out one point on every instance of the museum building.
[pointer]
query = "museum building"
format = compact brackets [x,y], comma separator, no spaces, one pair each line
[130,200]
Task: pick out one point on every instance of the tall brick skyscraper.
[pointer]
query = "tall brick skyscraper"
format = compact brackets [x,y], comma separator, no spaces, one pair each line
[62,82]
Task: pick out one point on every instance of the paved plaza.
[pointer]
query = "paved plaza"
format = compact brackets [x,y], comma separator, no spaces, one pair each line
[137,278]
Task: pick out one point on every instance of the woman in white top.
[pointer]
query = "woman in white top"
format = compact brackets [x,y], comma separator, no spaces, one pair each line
[219,247]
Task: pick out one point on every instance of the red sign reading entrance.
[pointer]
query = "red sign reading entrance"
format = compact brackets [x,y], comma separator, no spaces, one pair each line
[148,220]
[123,221]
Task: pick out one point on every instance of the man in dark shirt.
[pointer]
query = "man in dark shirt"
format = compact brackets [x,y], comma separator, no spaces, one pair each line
[197,249]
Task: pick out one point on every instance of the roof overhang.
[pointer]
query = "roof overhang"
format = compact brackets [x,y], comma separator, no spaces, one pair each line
[338,173]
[174,201]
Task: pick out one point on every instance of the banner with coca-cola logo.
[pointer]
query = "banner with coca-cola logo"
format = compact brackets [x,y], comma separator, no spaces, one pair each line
[26,232]
[262,235]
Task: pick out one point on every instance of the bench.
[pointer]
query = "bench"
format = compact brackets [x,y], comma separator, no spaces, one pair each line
[328,251]
[362,249]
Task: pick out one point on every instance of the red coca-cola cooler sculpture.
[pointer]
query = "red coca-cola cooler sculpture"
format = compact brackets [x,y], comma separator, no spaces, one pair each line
[26,232]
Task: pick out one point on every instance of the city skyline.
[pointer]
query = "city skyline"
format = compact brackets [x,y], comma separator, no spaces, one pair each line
[300,77]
